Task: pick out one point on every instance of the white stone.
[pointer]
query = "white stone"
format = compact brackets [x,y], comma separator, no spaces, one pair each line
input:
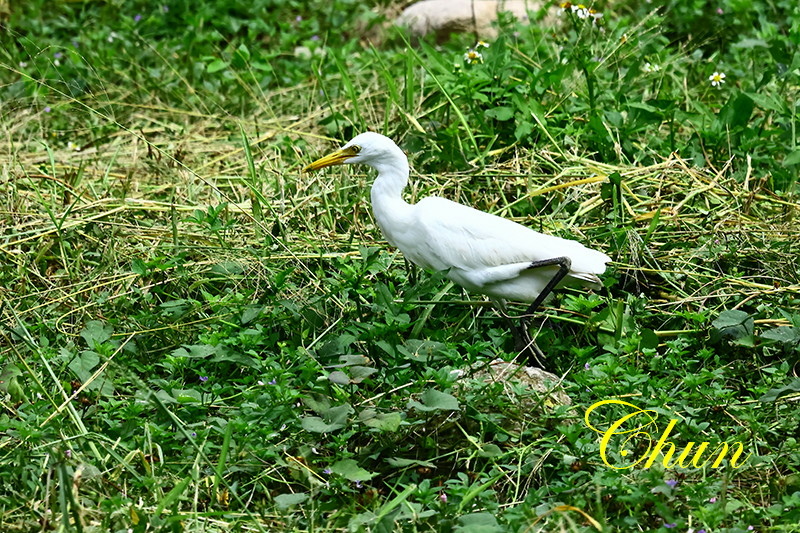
[443,17]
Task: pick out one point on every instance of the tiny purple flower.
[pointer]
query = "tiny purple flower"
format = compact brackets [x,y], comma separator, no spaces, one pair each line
[671,483]
[194,434]
[443,497]
[670,526]
[203,378]
[137,18]
[315,37]
[750,528]
[712,500]
[47,109]
[720,11]
[587,366]
[273,381]
[58,55]
[165,9]
[298,18]
[68,453]
[327,471]
[358,484]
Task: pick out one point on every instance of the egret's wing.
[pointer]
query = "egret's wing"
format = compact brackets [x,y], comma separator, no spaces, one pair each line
[452,235]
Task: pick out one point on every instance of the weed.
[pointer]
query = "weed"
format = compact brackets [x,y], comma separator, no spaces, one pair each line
[196,336]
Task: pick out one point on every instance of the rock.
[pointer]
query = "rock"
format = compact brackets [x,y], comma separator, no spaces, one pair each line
[443,17]
[535,379]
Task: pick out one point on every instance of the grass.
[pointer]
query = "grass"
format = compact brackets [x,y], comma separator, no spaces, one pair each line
[197,336]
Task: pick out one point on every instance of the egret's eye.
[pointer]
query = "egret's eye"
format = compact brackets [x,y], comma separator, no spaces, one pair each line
[355,148]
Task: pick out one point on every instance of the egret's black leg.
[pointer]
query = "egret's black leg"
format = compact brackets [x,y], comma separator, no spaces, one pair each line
[524,344]
[564,264]
[522,338]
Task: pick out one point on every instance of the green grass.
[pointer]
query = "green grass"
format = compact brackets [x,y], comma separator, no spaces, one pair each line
[196,336]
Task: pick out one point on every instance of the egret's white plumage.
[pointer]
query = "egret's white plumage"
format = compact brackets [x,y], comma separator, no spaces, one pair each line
[481,252]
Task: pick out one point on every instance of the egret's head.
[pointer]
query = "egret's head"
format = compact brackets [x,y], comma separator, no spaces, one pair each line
[368,148]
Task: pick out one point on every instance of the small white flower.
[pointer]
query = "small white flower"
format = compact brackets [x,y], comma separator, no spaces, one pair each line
[112,36]
[481,44]
[581,11]
[22,64]
[717,79]
[473,56]
[649,68]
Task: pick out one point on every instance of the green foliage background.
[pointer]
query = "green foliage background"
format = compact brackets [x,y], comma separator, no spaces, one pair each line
[197,336]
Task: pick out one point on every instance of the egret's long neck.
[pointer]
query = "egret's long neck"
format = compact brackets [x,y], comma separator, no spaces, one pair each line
[391,211]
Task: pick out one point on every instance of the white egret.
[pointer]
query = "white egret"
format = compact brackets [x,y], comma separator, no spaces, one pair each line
[481,252]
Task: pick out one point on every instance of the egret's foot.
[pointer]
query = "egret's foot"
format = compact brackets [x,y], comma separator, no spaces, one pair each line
[526,346]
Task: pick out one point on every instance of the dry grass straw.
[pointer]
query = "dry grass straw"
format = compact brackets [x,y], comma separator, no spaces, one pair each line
[691,238]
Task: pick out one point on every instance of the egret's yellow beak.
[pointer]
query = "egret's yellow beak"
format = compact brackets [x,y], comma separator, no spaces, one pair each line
[338,157]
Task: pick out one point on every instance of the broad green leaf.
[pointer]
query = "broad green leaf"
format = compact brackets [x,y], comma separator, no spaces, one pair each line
[216,65]
[383,421]
[195,351]
[318,405]
[737,111]
[241,57]
[338,414]
[359,373]
[792,159]
[14,389]
[164,397]
[349,469]
[490,450]
[339,377]
[731,318]
[500,113]
[284,501]
[736,325]
[96,332]
[84,364]
[478,523]
[251,313]
[523,130]
[187,396]
[332,419]
[648,339]
[315,424]
[766,101]
[228,268]
[644,107]
[433,400]
[337,346]
[9,371]
[138,267]
[786,334]
[773,394]
[401,462]
[353,359]
[421,350]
